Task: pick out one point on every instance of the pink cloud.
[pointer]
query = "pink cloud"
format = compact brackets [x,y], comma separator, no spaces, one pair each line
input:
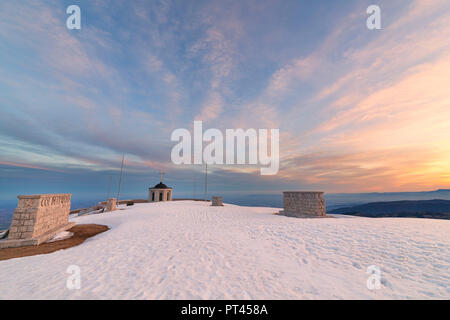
[29,166]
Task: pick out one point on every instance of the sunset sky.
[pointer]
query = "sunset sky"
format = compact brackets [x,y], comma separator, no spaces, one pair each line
[358,110]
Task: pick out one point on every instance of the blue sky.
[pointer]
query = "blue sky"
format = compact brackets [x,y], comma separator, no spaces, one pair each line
[358,110]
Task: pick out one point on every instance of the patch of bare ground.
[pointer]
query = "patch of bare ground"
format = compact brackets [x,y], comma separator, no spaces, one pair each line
[80,234]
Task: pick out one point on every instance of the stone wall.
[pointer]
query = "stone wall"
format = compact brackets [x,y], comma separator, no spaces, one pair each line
[304,204]
[156,195]
[111,204]
[216,201]
[36,215]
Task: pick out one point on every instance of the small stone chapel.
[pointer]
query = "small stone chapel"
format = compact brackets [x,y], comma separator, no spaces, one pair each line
[160,192]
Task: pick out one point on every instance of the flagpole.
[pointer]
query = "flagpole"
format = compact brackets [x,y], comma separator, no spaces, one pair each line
[120,180]
[206,182]
[109,188]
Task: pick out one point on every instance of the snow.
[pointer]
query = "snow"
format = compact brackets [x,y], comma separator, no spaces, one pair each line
[190,250]
[61,236]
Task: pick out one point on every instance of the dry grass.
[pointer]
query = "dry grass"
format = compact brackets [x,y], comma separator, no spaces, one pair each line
[80,234]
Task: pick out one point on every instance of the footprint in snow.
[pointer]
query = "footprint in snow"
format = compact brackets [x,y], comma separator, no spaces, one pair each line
[386,283]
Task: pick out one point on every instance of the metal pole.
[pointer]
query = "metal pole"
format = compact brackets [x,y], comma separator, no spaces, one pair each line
[109,188]
[206,182]
[195,187]
[120,180]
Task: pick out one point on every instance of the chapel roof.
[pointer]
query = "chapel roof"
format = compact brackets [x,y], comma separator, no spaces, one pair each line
[161,186]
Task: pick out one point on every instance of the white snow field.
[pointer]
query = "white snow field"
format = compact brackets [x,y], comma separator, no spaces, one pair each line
[190,250]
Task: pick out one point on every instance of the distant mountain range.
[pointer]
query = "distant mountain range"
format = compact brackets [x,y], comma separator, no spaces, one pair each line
[340,200]
[433,209]
[337,200]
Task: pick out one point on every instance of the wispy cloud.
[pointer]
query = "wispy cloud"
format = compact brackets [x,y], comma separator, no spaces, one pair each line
[356,109]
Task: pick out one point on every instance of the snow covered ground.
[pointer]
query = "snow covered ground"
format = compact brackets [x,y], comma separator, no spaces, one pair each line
[189,250]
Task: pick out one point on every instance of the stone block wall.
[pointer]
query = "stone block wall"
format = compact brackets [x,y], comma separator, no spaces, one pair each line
[157,195]
[304,204]
[216,202]
[36,215]
[111,204]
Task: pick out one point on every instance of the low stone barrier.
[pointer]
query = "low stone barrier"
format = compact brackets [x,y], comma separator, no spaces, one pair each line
[38,218]
[111,204]
[304,204]
[216,202]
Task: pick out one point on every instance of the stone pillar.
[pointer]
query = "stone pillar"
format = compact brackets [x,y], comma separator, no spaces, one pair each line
[216,202]
[304,204]
[37,218]
[111,204]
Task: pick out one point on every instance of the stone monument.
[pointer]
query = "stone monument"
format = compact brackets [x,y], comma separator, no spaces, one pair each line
[111,204]
[216,202]
[38,218]
[304,204]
